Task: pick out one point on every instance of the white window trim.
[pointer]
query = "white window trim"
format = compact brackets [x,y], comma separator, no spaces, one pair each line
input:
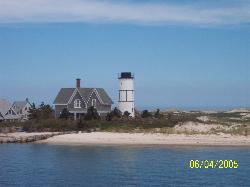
[77,103]
[73,95]
[98,96]
[93,103]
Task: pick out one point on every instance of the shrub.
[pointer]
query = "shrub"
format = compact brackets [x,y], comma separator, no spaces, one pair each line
[126,114]
[92,114]
[65,114]
[44,111]
[158,114]
[81,125]
[116,113]
[109,116]
[50,125]
[146,114]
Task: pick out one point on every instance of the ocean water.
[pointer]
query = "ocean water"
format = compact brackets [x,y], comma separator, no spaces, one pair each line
[52,165]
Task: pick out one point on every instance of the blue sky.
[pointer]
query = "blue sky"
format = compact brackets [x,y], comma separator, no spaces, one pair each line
[190,54]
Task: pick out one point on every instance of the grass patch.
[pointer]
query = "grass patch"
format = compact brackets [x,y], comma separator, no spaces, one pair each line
[164,124]
[115,125]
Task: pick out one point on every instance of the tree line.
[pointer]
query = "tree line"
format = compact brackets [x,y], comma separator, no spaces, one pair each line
[45,111]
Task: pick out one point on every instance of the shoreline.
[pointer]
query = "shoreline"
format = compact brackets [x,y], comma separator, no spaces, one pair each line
[126,139]
[147,139]
[23,137]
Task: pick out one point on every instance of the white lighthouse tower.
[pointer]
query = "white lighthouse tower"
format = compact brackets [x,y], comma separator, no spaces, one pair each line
[126,93]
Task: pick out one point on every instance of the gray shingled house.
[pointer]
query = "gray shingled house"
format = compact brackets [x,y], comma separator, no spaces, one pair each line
[22,109]
[78,100]
[4,108]
[19,110]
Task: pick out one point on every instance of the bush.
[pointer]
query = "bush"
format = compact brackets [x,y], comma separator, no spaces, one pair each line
[146,114]
[114,124]
[158,114]
[65,114]
[109,116]
[49,125]
[44,111]
[126,114]
[81,125]
[116,113]
[92,114]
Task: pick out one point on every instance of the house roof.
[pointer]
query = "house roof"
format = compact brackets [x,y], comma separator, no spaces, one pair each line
[12,116]
[85,93]
[65,94]
[4,106]
[1,116]
[18,105]
[104,96]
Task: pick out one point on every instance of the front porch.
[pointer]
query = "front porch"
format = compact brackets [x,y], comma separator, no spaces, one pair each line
[77,115]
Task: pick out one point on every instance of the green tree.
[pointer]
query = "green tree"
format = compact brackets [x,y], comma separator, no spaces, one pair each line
[33,113]
[42,112]
[46,111]
[92,114]
[65,114]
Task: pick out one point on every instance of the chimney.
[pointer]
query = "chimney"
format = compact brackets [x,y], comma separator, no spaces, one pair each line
[78,83]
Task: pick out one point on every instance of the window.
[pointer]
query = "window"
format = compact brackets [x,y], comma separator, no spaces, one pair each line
[94,102]
[77,103]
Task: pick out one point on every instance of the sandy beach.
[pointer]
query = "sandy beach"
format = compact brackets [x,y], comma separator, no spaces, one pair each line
[108,138]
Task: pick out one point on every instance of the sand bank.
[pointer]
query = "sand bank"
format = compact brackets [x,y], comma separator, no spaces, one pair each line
[108,138]
[23,137]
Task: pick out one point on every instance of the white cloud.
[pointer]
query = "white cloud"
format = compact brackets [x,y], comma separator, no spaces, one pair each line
[33,11]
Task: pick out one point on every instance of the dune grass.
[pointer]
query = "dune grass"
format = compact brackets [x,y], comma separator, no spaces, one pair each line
[164,124]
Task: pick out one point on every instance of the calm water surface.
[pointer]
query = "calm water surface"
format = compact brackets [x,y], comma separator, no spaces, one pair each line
[50,165]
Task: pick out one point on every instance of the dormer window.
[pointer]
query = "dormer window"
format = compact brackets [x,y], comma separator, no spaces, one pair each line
[93,102]
[77,103]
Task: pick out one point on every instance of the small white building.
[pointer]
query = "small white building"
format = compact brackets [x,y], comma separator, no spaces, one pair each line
[126,93]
